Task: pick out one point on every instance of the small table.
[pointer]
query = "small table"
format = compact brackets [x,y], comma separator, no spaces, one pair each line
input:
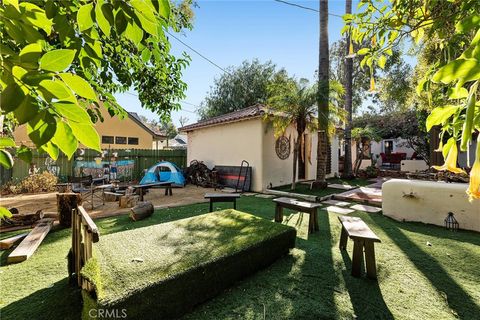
[222,197]
[142,187]
[302,206]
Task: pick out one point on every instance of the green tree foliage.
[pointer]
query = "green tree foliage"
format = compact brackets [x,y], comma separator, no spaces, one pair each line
[238,88]
[169,129]
[292,103]
[452,29]
[63,60]
[409,125]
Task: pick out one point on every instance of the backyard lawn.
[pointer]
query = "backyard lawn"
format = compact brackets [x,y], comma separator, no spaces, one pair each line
[304,188]
[415,280]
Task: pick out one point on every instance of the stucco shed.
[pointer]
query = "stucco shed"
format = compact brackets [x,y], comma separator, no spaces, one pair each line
[228,139]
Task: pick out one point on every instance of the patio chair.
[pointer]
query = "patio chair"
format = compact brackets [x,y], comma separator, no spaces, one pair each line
[88,188]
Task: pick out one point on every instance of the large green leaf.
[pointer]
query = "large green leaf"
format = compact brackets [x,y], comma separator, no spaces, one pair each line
[6,159]
[27,110]
[64,139]
[134,33]
[11,97]
[57,60]
[72,112]
[439,115]
[467,24]
[57,89]
[6,142]
[164,9]
[36,16]
[459,69]
[31,53]
[86,134]
[79,85]
[24,153]
[104,16]
[84,17]
[146,16]
[42,128]
[4,213]
[52,150]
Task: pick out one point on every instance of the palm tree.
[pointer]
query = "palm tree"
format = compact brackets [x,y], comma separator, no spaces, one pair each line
[347,164]
[323,98]
[292,103]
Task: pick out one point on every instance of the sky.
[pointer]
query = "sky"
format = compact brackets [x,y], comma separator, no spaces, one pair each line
[229,32]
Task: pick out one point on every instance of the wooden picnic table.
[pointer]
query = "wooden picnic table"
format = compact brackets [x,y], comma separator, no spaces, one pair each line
[140,188]
[222,197]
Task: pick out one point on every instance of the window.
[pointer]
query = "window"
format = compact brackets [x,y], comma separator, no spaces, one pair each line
[121,140]
[107,139]
[132,140]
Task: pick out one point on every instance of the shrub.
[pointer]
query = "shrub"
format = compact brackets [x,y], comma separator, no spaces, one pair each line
[39,182]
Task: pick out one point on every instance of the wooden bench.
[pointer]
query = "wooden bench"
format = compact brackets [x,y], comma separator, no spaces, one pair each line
[222,197]
[302,206]
[362,237]
[141,189]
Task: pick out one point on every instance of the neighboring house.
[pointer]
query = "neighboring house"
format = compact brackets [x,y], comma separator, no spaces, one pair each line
[179,142]
[228,139]
[115,133]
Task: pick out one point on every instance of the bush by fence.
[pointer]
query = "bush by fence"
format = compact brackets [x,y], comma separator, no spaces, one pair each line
[130,163]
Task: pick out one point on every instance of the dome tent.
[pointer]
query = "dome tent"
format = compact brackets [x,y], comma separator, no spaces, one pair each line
[164,171]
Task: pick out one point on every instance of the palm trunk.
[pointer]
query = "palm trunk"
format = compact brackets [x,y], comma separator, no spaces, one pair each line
[347,167]
[323,97]
[295,162]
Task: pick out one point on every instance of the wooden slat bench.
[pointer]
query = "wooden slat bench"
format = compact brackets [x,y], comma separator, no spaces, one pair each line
[302,206]
[222,197]
[362,237]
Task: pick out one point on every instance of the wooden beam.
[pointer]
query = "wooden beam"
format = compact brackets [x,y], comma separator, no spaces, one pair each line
[9,242]
[31,242]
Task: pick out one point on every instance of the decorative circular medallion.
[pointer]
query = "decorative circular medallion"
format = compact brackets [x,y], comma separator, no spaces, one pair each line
[282,147]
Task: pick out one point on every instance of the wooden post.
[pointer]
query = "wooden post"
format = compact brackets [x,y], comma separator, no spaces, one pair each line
[357,257]
[343,239]
[370,260]
[66,202]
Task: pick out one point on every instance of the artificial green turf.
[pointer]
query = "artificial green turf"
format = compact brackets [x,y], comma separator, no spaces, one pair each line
[305,188]
[415,281]
[127,263]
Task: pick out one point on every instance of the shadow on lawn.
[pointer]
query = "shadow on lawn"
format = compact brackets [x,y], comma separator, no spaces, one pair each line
[373,307]
[457,299]
[61,300]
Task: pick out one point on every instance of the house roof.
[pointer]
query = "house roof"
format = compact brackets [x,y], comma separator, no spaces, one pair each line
[254,111]
[156,134]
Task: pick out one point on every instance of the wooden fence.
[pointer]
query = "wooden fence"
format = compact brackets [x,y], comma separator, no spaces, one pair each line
[84,234]
[137,161]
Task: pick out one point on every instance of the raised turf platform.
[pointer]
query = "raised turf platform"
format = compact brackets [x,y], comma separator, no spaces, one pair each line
[165,270]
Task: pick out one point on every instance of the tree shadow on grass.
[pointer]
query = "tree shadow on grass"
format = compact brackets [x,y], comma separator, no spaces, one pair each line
[365,294]
[458,300]
[60,300]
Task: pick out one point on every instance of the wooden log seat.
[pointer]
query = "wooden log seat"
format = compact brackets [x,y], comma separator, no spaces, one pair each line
[363,238]
[302,206]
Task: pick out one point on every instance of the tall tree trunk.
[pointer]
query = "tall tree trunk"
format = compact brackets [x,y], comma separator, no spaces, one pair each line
[347,164]
[323,97]
[296,148]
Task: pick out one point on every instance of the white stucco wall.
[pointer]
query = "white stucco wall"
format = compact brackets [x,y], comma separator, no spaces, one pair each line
[430,202]
[276,171]
[252,140]
[228,145]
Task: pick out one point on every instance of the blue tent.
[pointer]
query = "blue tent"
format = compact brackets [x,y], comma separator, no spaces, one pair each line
[164,171]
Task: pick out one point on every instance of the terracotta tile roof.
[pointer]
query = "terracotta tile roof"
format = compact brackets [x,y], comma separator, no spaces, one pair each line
[243,114]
